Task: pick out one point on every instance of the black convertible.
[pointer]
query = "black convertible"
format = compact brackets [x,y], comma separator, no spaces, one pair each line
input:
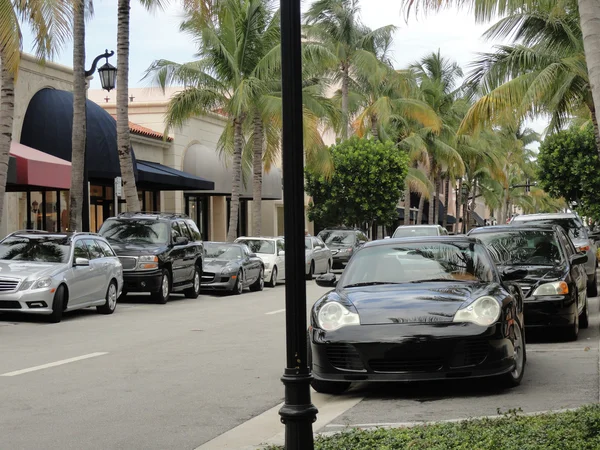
[425,308]
[555,281]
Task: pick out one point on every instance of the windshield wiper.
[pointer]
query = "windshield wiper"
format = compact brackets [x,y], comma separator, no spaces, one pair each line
[436,279]
[369,283]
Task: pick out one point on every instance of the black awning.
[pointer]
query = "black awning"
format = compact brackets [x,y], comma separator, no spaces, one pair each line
[155,176]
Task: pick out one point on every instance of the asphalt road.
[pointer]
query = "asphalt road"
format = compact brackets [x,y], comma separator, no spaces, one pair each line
[176,376]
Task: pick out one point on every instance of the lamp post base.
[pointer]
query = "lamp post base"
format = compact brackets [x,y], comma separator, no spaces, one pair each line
[298,413]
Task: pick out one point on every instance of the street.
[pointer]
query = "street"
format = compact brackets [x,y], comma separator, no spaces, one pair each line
[179,375]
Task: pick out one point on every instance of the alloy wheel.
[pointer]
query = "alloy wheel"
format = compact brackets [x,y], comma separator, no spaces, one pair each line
[518,351]
[165,286]
[112,296]
[240,282]
[196,282]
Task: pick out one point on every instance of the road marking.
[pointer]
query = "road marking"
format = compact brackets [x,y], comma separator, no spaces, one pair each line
[267,429]
[52,364]
[275,312]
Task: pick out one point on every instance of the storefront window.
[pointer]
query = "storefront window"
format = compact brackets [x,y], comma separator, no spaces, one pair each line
[65,201]
[149,203]
[22,208]
[51,213]
[36,221]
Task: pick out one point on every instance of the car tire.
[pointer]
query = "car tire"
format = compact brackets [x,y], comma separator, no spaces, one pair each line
[259,284]
[58,306]
[592,287]
[194,291]
[584,317]
[311,271]
[238,287]
[328,266]
[572,332]
[273,281]
[322,386]
[514,377]
[162,296]
[111,299]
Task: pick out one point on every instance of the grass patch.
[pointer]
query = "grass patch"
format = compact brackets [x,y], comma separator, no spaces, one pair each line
[572,430]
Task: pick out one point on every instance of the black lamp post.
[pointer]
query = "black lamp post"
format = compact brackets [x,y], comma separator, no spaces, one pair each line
[298,413]
[108,76]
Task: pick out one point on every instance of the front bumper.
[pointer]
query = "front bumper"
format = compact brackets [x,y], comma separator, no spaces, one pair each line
[549,311]
[340,260]
[410,352]
[217,282]
[142,281]
[37,301]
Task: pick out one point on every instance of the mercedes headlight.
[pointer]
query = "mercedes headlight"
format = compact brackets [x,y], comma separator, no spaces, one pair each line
[26,285]
[334,315]
[484,311]
[42,283]
[148,262]
[229,270]
[555,288]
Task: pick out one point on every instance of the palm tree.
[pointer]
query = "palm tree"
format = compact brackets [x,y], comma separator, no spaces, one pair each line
[50,22]
[355,48]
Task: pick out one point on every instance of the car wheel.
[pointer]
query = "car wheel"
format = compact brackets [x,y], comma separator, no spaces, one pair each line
[328,266]
[592,287]
[311,271]
[238,287]
[584,317]
[514,377]
[572,333]
[273,281]
[58,306]
[259,284]
[162,296]
[194,291]
[111,300]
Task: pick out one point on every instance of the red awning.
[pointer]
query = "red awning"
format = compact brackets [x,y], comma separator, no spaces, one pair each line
[39,169]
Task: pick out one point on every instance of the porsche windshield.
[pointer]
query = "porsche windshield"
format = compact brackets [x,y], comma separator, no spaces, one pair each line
[522,247]
[226,252]
[419,262]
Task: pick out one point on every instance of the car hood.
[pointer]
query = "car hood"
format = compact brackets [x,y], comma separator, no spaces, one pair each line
[26,269]
[136,249]
[414,303]
[537,275]
[215,265]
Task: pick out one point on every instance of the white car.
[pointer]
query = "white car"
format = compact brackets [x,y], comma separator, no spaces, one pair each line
[271,251]
[51,273]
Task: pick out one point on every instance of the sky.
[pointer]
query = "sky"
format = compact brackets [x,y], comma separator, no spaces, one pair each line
[155,35]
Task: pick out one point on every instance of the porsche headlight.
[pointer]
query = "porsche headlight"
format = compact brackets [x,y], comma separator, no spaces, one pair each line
[555,288]
[484,311]
[334,315]
[42,283]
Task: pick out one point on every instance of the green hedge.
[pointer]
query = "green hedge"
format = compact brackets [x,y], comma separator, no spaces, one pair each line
[572,430]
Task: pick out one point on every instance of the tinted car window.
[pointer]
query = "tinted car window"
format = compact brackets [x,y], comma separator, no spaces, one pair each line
[524,247]
[175,231]
[36,249]
[223,251]
[419,262]
[145,231]
[194,230]
[315,243]
[106,248]
[402,232]
[573,227]
[280,246]
[184,229]
[94,249]
[338,238]
[259,245]
[80,250]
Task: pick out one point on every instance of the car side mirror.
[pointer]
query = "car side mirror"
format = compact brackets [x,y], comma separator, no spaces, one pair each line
[182,240]
[326,280]
[82,262]
[387,237]
[513,274]
[252,255]
[579,258]
[281,253]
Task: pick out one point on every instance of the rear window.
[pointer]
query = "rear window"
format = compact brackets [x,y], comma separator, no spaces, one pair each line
[402,232]
[337,238]
[573,227]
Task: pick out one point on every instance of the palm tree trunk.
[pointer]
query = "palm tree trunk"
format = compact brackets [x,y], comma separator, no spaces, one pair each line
[7,107]
[458,203]
[596,129]
[407,204]
[589,16]
[79,123]
[345,102]
[446,202]
[374,128]
[438,184]
[257,173]
[123,138]
[236,180]
[420,211]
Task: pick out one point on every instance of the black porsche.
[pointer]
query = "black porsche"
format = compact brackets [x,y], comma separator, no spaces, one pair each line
[425,308]
[555,282]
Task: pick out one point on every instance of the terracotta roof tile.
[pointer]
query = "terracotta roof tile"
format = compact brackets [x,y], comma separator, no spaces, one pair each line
[144,131]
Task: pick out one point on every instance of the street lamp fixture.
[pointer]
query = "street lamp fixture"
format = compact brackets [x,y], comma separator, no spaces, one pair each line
[106,72]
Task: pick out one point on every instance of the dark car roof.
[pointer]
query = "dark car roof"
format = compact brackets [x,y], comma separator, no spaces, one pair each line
[441,239]
[523,226]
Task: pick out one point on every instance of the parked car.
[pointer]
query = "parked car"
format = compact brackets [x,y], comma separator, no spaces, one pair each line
[404,231]
[573,225]
[319,258]
[429,308]
[342,242]
[271,251]
[232,267]
[160,252]
[554,285]
[52,273]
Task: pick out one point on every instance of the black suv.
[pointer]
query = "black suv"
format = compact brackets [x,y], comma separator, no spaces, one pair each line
[342,242]
[160,253]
